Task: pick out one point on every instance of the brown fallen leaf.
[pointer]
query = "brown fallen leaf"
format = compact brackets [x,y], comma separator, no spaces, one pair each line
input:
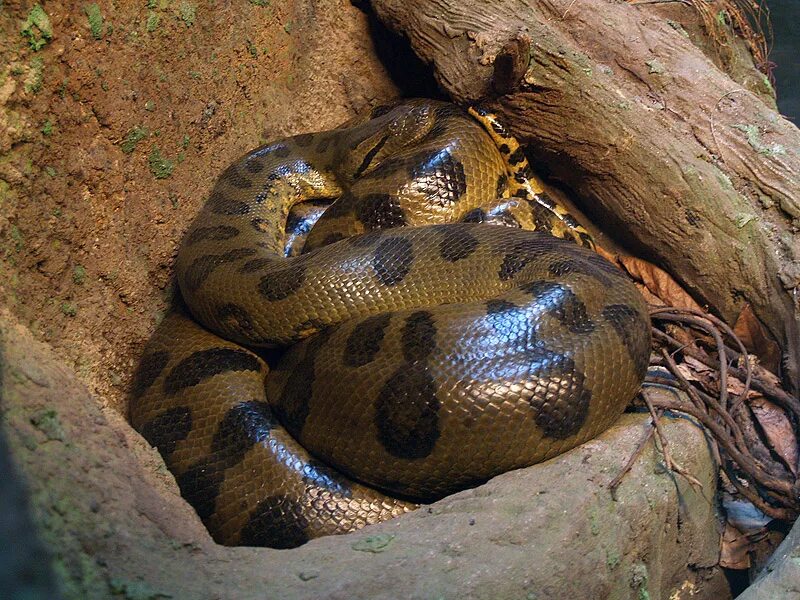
[658,281]
[649,296]
[778,429]
[734,553]
[756,340]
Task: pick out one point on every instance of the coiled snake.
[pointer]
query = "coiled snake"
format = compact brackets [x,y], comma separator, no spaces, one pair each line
[421,359]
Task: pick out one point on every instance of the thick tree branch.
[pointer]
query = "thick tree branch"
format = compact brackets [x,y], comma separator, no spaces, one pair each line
[665,150]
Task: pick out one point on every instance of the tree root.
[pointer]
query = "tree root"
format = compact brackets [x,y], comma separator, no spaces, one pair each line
[761,476]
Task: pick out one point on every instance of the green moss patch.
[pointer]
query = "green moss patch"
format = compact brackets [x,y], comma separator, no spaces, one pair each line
[187,12]
[95,18]
[132,138]
[35,79]
[37,28]
[160,166]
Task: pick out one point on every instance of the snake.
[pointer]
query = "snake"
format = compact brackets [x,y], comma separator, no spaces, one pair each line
[375,317]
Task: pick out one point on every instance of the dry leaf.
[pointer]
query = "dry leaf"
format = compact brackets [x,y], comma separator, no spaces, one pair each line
[756,339]
[735,547]
[649,296]
[658,282]
[697,366]
[689,373]
[778,430]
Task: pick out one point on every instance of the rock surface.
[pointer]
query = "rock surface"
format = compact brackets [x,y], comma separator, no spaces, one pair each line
[780,577]
[115,523]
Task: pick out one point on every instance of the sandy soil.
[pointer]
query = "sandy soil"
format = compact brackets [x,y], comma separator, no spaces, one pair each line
[113,132]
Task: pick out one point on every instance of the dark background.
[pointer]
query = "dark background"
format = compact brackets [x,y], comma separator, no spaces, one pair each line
[785,17]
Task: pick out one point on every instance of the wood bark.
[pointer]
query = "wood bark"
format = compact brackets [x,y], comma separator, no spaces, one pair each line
[661,148]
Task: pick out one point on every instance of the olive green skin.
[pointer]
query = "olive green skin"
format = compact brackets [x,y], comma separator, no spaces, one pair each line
[429,348]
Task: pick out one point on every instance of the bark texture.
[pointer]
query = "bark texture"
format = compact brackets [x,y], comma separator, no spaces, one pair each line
[665,151]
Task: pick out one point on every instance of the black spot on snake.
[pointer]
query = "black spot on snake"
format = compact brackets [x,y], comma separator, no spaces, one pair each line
[295,222]
[220,204]
[545,200]
[494,307]
[521,193]
[167,429]
[200,485]
[260,224]
[216,232]
[439,176]
[407,413]
[244,425]
[527,250]
[586,240]
[633,331]
[381,110]
[476,215]
[323,145]
[235,317]
[256,264]
[150,367]
[517,157]
[559,397]
[282,283]
[254,165]
[304,140]
[278,522]
[542,218]
[392,260]
[370,155]
[204,266]
[498,128]
[562,302]
[281,150]
[523,175]
[364,343]
[233,177]
[504,149]
[205,364]
[293,405]
[502,185]
[380,211]
[419,336]
[570,221]
[456,242]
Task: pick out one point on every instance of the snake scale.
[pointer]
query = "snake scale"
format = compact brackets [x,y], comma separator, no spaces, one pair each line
[435,336]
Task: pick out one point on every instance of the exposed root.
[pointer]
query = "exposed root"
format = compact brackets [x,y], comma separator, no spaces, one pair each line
[760,476]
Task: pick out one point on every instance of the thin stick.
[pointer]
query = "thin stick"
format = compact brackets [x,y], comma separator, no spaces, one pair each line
[632,459]
[671,464]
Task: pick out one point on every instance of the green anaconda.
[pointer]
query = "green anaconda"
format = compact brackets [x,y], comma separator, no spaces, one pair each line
[437,330]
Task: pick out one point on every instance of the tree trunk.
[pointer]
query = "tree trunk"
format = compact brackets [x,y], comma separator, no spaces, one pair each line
[663,150]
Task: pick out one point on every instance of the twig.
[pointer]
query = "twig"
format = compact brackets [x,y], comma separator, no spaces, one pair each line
[671,464]
[777,496]
[632,459]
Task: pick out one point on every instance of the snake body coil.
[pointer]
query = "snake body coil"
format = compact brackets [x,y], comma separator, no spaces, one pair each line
[422,357]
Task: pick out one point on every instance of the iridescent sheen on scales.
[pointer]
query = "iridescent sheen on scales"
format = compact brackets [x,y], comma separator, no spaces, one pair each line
[437,330]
